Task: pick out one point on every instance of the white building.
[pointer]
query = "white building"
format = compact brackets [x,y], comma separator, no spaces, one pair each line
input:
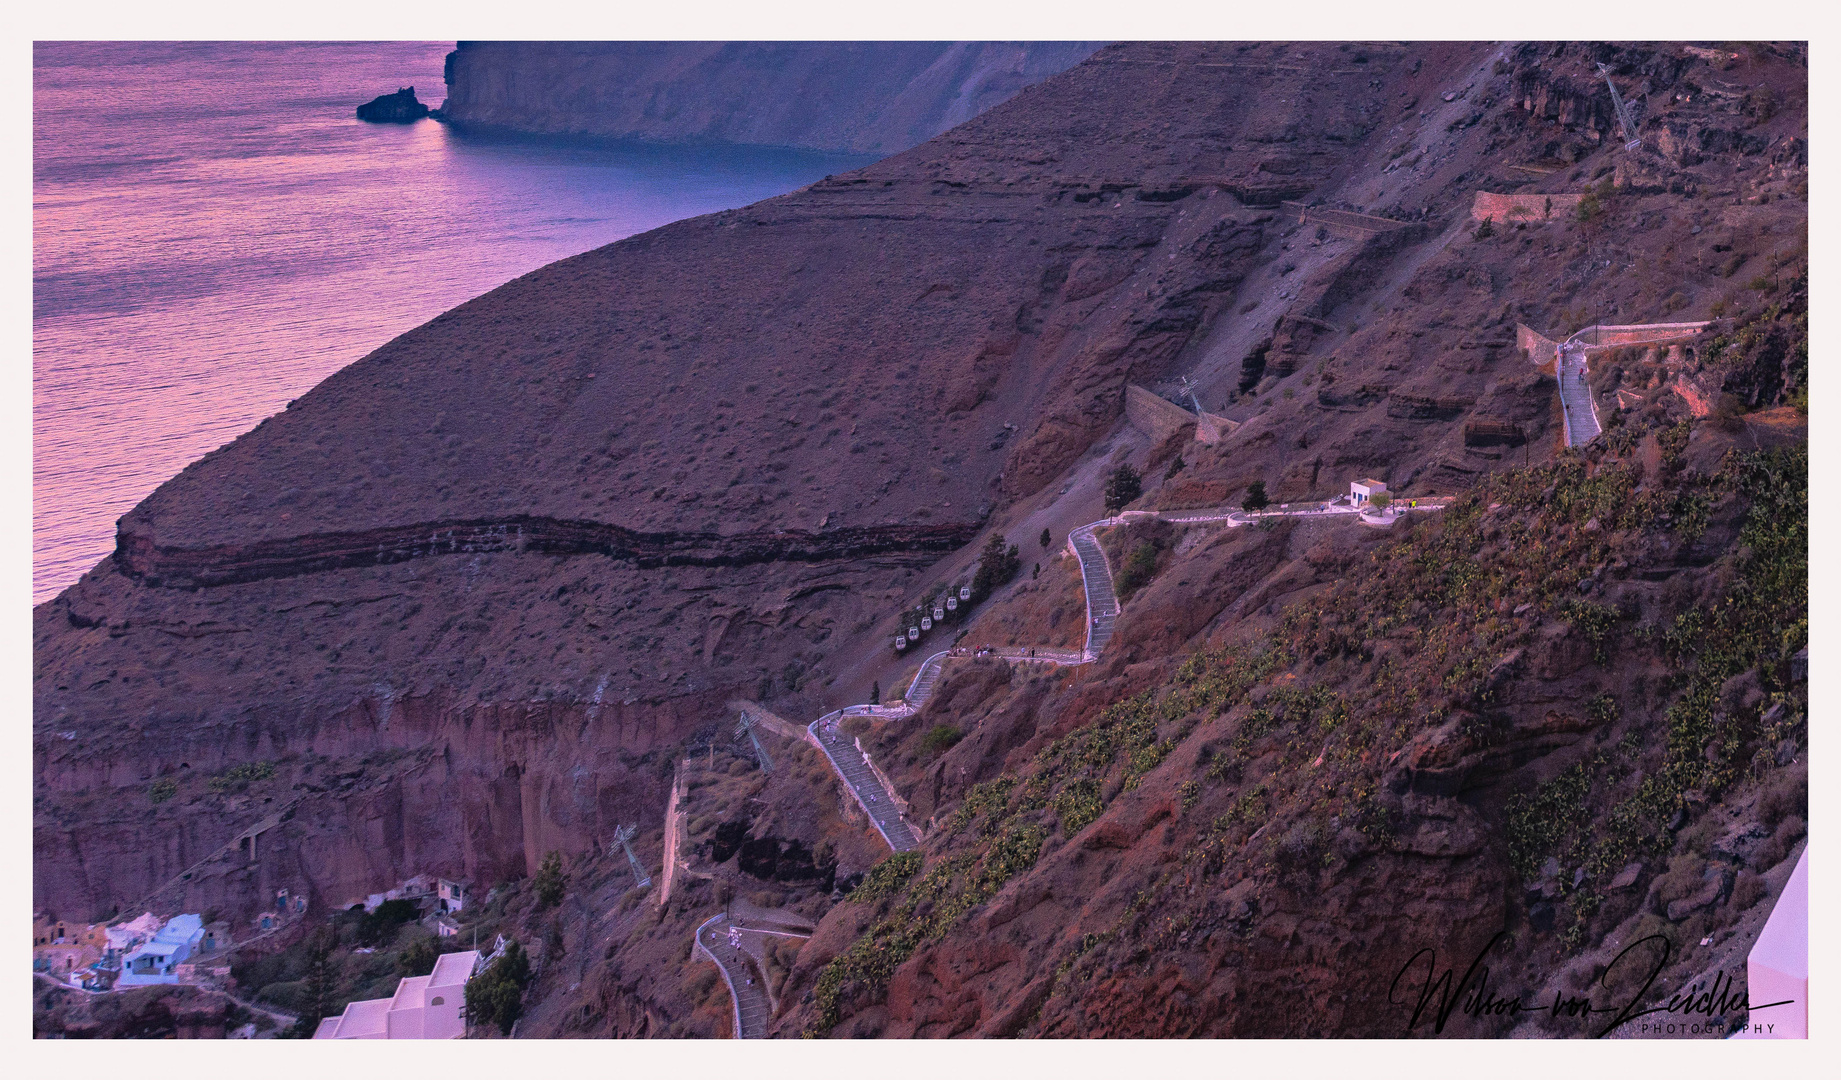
[1361,492]
[1778,969]
[124,936]
[423,1007]
[158,960]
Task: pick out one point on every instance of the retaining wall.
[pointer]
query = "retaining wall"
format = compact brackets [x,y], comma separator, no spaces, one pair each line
[1352,225]
[1542,351]
[1211,429]
[1154,416]
[1526,207]
[1639,334]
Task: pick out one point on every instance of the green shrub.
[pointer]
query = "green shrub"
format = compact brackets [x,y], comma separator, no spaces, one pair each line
[1077,805]
[162,789]
[381,924]
[238,777]
[418,957]
[496,995]
[1122,486]
[886,878]
[551,882]
[939,739]
[1140,566]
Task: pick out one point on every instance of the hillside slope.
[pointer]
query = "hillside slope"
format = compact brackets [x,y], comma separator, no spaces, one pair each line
[475,597]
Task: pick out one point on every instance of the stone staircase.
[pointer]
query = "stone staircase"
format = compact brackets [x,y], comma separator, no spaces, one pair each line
[925,679]
[884,812]
[1102,601]
[1576,397]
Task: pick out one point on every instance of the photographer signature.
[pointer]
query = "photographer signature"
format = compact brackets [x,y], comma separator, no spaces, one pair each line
[1472,996]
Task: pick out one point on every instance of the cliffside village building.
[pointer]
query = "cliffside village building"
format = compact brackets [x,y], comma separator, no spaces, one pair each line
[423,1007]
[159,959]
[1362,492]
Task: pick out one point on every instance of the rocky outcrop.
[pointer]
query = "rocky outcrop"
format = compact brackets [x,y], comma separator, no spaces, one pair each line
[398,108]
[852,97]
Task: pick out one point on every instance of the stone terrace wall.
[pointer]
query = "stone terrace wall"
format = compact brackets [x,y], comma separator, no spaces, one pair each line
[1355,226]
[1526,207]
[1154,416]
[1639,334]
[1541,351]
[1211,429]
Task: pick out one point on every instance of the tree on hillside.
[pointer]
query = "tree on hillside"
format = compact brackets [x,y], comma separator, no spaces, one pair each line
[997,564]
[551,882]
[319,984]
[1256,496]
[496,995]
[1046,539]
[418,957]
[1122,487]
[1177,464]
[380,925]
[875,692]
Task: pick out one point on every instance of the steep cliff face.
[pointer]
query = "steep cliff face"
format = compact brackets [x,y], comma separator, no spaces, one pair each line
[855,97]
[929,348]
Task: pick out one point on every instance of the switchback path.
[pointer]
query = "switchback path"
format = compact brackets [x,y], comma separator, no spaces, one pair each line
[743,969]
[865,781]
[753,1006]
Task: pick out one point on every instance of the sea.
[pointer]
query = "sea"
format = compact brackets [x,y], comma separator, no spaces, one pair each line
[214,232]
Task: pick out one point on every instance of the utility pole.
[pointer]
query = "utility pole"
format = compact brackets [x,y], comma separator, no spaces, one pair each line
[1631,142]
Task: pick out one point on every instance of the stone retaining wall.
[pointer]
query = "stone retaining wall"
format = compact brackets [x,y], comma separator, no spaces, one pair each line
[1154,416]
[1352,225]
[1599,337]
[1534,206]
[1542,351]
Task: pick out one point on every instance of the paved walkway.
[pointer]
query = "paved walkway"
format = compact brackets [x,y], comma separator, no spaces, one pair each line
[742,971]
[1576,396]
[1096,580]
[872,795]
[753,1005]
[863,779]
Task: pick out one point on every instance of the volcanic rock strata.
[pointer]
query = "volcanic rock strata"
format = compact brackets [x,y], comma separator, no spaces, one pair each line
[142,558]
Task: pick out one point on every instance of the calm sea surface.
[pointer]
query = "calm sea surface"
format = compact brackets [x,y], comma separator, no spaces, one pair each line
[214,233]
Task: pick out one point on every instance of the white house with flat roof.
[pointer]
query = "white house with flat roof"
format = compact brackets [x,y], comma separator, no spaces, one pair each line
[1361,492]
[158,960]
[124,936]
[423,1007]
